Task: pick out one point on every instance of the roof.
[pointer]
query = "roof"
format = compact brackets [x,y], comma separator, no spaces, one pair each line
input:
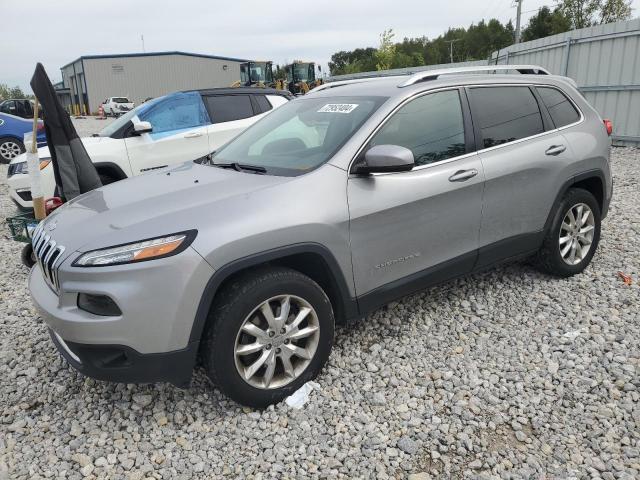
[392,87]
[154,54]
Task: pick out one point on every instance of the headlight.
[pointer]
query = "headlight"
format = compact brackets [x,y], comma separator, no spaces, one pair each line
[150,249]
[23,168]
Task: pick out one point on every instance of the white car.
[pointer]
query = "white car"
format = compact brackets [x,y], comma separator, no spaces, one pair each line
[117,106]
[164,131]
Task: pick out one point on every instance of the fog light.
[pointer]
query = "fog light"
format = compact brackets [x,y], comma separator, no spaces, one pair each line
[98,305]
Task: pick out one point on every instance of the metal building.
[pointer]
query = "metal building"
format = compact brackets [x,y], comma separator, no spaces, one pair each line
[92,78]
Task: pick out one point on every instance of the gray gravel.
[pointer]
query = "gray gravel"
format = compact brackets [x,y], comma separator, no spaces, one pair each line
[505,374]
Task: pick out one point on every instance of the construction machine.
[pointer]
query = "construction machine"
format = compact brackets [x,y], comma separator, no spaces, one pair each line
[256,74]
[301,77]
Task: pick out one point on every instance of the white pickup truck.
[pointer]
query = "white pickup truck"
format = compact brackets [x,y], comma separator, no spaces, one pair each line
[117,106]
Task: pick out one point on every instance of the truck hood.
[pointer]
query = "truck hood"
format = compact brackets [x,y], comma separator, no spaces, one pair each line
[160,203]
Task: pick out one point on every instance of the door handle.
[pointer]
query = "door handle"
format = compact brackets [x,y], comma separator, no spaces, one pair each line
[555,150]
[193,135]
[462,175]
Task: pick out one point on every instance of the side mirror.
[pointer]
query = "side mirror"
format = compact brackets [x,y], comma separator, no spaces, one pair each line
[142,127]
[385,159]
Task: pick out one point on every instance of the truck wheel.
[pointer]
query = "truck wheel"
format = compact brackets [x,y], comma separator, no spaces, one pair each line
[10,148]
[572,239]
[269,332]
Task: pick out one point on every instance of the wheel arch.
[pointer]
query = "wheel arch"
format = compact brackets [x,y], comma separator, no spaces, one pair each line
[311,259]
[592,180]
[111,169]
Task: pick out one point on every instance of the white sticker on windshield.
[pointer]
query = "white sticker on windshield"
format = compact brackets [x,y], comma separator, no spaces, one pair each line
[338,108]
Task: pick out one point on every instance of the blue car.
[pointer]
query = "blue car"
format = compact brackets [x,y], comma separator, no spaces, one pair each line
[12,130]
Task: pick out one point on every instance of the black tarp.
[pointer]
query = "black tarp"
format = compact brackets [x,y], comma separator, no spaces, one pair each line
[72,167]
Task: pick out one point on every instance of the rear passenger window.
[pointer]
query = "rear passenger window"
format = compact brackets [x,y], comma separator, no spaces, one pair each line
[560,108]
[263,103]
[505,114]
[431,126]
[226,108]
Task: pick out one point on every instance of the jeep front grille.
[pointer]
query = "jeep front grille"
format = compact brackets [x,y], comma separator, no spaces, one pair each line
[48,254]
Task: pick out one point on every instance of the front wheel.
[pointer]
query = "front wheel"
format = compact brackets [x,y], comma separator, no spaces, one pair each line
[269,332]
[573,237]
[10,148]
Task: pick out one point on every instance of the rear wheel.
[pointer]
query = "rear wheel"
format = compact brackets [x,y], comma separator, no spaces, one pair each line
[10,148]
[573,237]
[269,332]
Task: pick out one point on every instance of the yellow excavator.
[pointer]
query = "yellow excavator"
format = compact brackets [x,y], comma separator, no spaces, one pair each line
[301,77]
[258,74]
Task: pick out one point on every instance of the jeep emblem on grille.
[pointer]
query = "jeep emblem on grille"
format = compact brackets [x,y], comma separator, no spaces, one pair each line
[52,226]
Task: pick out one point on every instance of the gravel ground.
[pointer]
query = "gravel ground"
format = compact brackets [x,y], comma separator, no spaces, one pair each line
[505,374]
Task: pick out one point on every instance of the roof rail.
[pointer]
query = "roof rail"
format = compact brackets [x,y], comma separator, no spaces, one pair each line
[339,83]
[434,74]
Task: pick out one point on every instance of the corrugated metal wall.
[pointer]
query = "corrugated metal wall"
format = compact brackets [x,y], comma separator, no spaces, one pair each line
[603,60]
[141,77]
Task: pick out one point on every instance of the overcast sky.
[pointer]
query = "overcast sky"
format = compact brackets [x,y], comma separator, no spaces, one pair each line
[60,31]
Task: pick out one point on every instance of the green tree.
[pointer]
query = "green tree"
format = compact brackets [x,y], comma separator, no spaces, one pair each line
[546,22]
[386,51]
[358,60]
[615,10]
[11,92]
[586,13]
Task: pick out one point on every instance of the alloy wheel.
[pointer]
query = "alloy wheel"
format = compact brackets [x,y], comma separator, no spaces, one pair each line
[576,234]
[277,342]
[10,150]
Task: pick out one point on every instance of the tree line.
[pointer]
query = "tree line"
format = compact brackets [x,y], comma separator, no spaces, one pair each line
[478,41]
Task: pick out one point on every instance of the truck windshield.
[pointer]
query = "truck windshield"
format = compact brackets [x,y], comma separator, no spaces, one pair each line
[121,100]
[299,136]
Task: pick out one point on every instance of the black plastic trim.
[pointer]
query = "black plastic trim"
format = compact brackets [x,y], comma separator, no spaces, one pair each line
[508,249]
[402,287]
[119,363]
[106,166]
[191,235]
[348,304]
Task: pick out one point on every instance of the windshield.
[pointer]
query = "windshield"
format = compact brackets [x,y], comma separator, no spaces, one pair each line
[121,100]
[301,135]
[120,121]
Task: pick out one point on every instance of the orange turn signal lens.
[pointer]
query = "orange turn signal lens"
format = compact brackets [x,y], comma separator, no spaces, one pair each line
[44,163]
[157,250]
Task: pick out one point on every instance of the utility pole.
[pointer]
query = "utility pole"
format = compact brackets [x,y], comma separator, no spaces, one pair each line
[142,38]
[518,18]
[450,42]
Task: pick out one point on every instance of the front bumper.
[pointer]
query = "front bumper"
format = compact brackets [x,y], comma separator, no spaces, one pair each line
[20,187]
[117,363]
[149,340]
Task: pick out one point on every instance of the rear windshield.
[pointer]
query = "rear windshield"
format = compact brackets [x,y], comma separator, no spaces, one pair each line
[121,100]
[301,135]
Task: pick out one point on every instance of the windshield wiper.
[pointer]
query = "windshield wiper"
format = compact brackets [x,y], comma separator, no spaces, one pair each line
[239,167]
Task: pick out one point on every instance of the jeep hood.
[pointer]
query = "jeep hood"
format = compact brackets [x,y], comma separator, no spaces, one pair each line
[43,152]
[158,203]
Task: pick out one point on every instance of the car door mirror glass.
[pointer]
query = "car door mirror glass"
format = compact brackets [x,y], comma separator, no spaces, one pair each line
[142,127]
[385,159]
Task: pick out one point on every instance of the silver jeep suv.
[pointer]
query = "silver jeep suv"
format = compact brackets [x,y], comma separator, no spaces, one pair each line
[328,208]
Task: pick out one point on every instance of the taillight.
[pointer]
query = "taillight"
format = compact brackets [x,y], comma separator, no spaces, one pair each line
[608,125]
[40,127]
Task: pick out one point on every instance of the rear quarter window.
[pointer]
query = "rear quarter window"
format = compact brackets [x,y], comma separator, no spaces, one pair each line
[227,108]
[505,114]
[559,106]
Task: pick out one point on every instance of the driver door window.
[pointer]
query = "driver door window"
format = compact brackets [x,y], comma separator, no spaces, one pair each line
[431,126]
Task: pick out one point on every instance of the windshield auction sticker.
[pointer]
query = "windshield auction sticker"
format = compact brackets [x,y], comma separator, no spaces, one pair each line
[338,108]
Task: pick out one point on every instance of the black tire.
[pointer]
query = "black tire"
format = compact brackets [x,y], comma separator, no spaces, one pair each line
[27,257]
[5,140]
[230,309]
[549,258]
